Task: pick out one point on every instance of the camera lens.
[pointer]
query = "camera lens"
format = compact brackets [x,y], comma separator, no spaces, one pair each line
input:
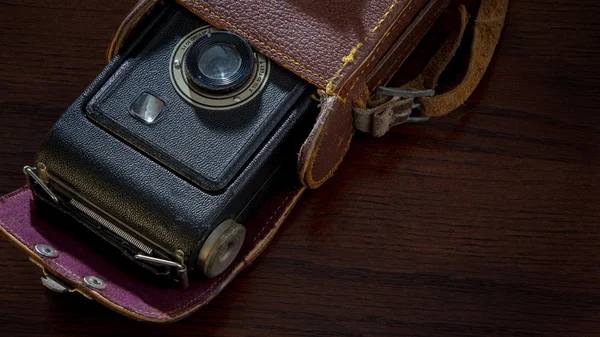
[219,62]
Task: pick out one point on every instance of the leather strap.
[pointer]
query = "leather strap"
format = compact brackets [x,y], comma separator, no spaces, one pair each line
[487,30]
[380,119]
[324,150]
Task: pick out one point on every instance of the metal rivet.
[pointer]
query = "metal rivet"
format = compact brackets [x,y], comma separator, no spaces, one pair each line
[237,99]
[177,64]
[46,251]
[95,282]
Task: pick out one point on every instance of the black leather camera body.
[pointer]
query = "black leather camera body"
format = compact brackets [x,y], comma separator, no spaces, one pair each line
[174,145]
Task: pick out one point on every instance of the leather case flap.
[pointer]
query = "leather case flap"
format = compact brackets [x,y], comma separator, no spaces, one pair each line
[126,293]
[324,42]
[344,47]
[336,45]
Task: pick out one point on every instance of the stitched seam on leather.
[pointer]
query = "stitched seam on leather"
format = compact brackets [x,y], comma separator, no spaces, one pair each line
[272,216]
[329,89]
[407,8]
[209,11]
[77,277]
[429,22]
[313,141]
[12,232]
[329,84]
[111,299]
[316,184]
[54,263]
[309,178]
[189,304]
[13,194]
[268,223]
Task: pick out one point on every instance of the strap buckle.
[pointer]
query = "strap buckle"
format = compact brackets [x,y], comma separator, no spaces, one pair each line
[408,93]
[383,112]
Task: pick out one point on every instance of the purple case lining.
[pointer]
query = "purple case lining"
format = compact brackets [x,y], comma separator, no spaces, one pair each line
[126,294]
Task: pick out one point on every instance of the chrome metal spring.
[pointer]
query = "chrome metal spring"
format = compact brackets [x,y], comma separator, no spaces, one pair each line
[111,226]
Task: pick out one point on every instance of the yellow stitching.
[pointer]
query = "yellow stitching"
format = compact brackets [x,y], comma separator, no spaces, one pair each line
[377,50]
[77,277]
[206,9]
[272,216]
[355,81]
[29,245]
[187,305]
[413,40]
[330,86]
[153,311]
[53,262]
[329,90]
[350,57]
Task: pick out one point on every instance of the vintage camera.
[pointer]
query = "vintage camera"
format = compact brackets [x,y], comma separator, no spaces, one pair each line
[174,145]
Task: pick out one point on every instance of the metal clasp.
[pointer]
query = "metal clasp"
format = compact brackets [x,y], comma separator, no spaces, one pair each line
[54,284]
[182,272]
[31,172]
[406,93]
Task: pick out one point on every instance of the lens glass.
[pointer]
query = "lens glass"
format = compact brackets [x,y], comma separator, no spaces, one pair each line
[219,61]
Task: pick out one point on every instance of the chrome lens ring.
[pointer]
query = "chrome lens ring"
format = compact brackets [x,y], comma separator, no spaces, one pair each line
[214,100]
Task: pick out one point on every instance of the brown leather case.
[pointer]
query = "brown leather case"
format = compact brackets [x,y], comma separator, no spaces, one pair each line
[346,48]
[336,45]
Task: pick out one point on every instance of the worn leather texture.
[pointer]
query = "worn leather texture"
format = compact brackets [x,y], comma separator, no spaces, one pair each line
[337,54]
[134,188]
[127,294]
[323,151]
[346,56]
[405,44]
[334,45]
[323,42]
[488,24]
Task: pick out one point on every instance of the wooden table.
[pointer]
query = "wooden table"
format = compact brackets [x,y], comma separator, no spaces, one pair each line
[474,224]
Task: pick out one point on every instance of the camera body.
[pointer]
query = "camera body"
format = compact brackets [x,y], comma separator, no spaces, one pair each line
[174,146]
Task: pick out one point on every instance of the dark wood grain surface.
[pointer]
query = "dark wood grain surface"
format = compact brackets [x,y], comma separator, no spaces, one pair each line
[480,223]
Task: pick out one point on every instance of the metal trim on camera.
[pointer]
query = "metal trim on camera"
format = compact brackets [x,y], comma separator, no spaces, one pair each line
[217,70]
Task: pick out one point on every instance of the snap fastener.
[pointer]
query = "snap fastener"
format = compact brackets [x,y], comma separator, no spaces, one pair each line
[46,251]
[95,282]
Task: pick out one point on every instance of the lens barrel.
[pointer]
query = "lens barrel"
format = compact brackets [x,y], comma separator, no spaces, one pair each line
[219,62]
